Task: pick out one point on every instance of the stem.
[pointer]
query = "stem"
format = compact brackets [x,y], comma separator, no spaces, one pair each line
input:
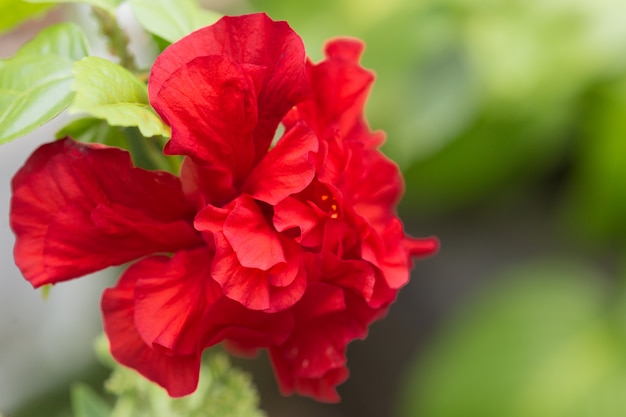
[118,41]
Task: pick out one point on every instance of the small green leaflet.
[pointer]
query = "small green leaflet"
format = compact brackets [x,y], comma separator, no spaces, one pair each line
[35,83]
[108,5]
[45,291]
[108,91]
[87,403]
[172,19]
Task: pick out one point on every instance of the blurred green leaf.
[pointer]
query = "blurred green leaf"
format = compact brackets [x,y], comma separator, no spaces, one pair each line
[172,19]
[12,13]
[63,39]
[146,153]
[91,129]
[541,343]
[87,403]
[110,92]
[478,98]
[223,391]
[35,84]
[109,5]
[597,201]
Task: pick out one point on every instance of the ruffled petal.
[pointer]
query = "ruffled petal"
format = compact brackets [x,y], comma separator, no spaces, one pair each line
[286,169]
[340,88]
[177,373]
[269,53]
[252,237]
[171,299]
[354,275]
[390,253]
[312,361]
[274,290]
[77,208]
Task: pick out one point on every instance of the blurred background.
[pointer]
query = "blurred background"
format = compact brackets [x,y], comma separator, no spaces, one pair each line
[508,118]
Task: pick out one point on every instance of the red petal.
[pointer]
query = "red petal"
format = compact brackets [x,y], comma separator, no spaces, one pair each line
[253,239]
[207,185]
[421,247]
[312,361]
[211,104]
[355,275]
[292,213]
[247,286]
[253,287]
[78,208]
[252,41]
[178,374]
[373,185]
[171,298]
[286,169]
[340,88]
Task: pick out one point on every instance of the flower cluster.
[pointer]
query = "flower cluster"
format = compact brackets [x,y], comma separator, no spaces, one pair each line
[286,242]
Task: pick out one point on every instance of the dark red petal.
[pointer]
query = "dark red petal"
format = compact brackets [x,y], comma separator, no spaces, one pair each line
[355,275]
[178,374]
[286,169]
[251,41]
[207,185]
[312,361]
[171,299]
[323,388]
[78,208]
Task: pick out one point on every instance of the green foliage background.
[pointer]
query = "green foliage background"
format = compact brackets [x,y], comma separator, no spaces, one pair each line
[508,118]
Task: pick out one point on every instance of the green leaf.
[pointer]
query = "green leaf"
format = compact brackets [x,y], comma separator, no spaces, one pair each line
[64,39]
[108,5]
[110,92]
[33,90]
[597,197]
[12,13]
[172,19]
[35,85]
[541,343]
[86,403]
[91,129]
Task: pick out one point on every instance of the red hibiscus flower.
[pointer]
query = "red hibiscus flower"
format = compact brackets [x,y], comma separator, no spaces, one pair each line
[292,245]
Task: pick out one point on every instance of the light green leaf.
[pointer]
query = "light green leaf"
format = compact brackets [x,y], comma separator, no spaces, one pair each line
[12,13]
[35,83]
[86,403]
[541,343]
[172,19]
[33,90]
[65,39]
[108,5]
[110,92]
